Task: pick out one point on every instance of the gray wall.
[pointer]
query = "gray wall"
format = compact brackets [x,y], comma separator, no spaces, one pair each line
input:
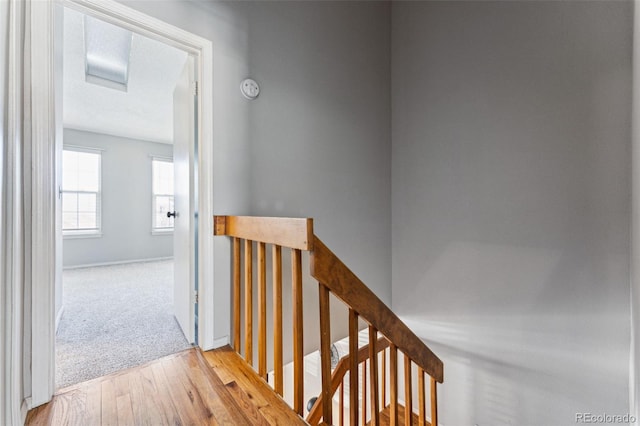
[320,134]
[227,28]
[320,131]
[5,409]
[126,203]
[634,373]
[511,201]
[316,141]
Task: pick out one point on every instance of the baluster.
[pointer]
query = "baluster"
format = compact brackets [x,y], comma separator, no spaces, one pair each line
[373,373]
[341,418]
[325,353]
[434,403]
[384,378]
[262,311]
[248,301]
[363,401]
[277,319]
[421,397]
[393,385]
[236,294]
[353,367]
[408,399]
[298,351]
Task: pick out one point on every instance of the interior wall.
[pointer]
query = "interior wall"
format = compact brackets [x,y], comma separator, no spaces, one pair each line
[634,359]
[126,203]
[227,28]
[5,408]
[316,141]
[320,134]
[511,202]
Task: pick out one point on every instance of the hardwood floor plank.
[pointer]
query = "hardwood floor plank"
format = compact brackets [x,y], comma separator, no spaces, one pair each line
[181,395]
[273,408]
[125,410]
[146,408]
[188,388]
[108,406]
[168,406]
[385,418]
[246,404]
[159,413]
[70,410]
[214,392]
[94,405]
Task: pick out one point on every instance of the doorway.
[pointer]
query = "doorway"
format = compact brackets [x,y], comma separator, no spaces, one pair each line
[43,80]
[128,205]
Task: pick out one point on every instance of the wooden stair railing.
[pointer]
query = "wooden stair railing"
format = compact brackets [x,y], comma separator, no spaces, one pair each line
[339,373]
[334,278]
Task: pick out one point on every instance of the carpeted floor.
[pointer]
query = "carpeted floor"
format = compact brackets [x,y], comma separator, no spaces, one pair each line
[115,317]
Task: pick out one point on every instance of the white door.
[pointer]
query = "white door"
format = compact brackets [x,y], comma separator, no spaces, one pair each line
[184,206]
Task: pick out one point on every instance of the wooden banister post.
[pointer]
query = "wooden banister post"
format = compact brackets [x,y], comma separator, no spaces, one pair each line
[393,386]
[408,397]
[353,367]
[421,398]
[262,311]
[373,374]
[277,319]
[248,301]
[236,294]
[325,353]
[298,342]
[434,402]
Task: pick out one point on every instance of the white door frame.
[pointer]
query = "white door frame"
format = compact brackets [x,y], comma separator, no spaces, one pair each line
[43,147]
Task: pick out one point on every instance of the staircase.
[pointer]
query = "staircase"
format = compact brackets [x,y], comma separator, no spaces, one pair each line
[223,387]
[378,402]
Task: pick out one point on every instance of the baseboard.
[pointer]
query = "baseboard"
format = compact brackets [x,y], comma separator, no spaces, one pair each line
[218,343]
[118,262]
[59,317]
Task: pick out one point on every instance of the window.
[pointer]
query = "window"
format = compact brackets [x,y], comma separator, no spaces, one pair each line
[80,192]
[162,177]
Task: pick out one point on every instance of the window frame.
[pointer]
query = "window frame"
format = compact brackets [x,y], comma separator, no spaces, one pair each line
[84,233]
[154,229]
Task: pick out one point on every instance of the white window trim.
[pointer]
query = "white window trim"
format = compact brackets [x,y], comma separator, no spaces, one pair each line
[71,234]
[154,229]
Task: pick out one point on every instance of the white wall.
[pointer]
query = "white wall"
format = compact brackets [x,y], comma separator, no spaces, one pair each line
[511,202]
[126,203]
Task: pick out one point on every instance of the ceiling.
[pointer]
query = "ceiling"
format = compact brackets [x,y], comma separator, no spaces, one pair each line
[144,111]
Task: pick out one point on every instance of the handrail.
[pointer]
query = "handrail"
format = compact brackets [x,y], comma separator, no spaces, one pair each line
[334,277]
[296,233]
[338,375]
[327,268]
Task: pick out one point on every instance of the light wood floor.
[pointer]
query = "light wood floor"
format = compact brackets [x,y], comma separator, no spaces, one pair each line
[385,418]
[187,388]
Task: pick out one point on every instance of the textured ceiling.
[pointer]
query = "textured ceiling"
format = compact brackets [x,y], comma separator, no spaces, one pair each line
[145,111]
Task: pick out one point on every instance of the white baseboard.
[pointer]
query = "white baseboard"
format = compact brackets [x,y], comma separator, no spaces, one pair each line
[59,317]
[218,343]
[118,262]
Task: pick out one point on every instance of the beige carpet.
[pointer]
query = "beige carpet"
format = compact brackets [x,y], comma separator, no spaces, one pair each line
[115,317]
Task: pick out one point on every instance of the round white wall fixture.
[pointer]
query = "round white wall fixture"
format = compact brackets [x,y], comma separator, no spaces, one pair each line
[249,89]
